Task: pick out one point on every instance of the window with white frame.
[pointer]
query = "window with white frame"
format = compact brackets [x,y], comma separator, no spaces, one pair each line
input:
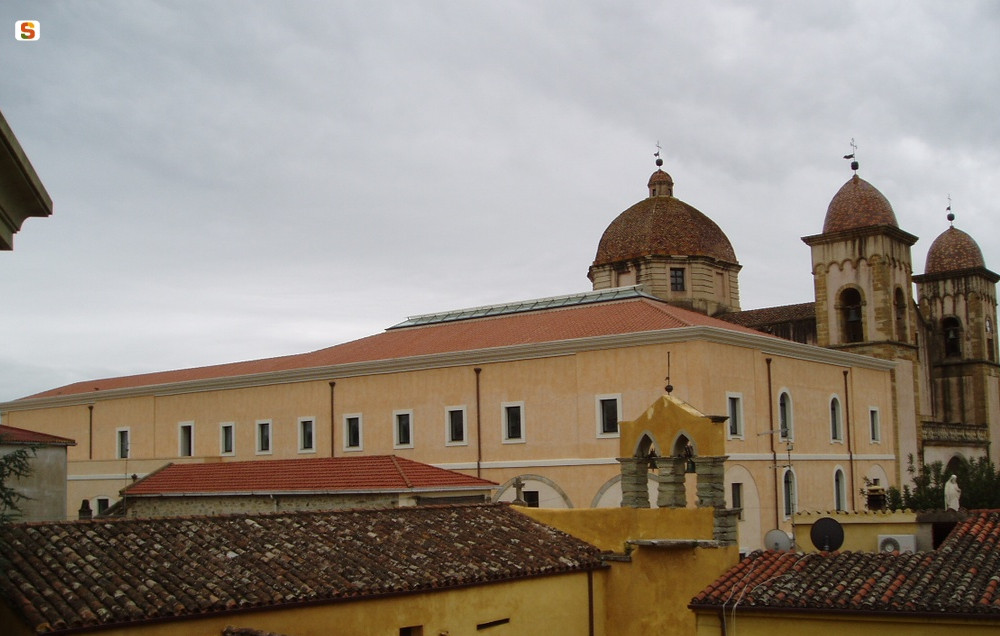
[402,429]
[839,491]
[455,427]
[264,437]
[836,420]
[875,426]
[609,413]
[227,438]
[353,433]
[185,439]
[513,422]
[785,430]
[789,493]
[734,404]
[307,435]
[122,445]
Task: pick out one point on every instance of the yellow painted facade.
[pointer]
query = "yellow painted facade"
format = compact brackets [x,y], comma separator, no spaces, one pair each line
[829,624]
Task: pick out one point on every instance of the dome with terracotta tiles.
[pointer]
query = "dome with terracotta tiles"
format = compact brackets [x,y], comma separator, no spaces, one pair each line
[858,204]
[662,225]
[953,251]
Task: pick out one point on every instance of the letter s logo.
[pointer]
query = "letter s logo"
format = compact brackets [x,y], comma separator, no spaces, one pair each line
[27,30]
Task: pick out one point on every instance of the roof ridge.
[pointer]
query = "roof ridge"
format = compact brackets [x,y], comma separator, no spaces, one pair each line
[402,473]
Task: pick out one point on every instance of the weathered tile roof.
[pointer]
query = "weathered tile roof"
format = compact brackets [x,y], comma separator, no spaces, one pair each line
[960,577]
[14,435]
[320,474]
[123,571]
[534,327]
[771,315]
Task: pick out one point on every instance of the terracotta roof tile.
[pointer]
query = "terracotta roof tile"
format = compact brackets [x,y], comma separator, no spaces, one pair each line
[858,204]
[13,435]
[320,474]
[535,327]
[960,577]
[952,251]
[123,571]
[771,315]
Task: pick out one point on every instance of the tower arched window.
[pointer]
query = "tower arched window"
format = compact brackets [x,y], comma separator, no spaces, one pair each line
[836,421]
[785,416]
[951,330]
[839,491]
[789,492]
[851,315]
[899,308]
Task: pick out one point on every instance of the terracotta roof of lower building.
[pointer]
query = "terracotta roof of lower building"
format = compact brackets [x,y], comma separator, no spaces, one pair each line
[771,315]
[121,572]
[635,315]
[13,435]
[321,474]
[961,576]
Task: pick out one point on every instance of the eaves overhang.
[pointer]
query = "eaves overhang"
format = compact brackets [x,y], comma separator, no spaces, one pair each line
[767,345]
[22,194]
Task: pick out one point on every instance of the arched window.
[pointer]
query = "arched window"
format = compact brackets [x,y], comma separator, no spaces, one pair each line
[836,420]
[951,330]
[789,492]
[839,491]
[851,316]
[899,306]
[785,416]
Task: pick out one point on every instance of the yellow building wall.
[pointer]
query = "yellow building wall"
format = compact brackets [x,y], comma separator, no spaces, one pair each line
[544,605]
[754,623]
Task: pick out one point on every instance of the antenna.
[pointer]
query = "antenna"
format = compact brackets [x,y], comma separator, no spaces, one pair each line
[853,156]
[777,540]
[827,534]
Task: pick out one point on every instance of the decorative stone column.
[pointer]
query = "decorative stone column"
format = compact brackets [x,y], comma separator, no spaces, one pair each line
[635,493]
[725,529]
[711,481]
[671,492]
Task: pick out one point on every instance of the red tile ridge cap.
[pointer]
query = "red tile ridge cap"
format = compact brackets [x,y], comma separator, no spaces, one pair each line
[402,473]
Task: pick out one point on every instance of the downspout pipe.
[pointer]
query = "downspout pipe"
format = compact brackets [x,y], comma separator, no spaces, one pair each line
[333,423]
[850,444]
[90,431]
[479,423]
[774,453]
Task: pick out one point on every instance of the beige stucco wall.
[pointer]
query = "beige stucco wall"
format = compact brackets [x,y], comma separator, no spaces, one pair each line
[45,488]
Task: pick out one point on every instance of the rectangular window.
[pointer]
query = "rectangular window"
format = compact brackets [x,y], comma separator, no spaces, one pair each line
[402,429]
[735,405]
[608,414]
[263,437]
[737,496]
[103,503]
[876,427]
[307,435]
[455,423]
[185,441]
[353,438]
[122,448]
[513,422]
[227,442]
[676,279]
[531,498]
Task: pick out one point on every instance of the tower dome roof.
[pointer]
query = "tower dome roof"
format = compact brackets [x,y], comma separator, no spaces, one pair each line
[952,251]
[858,204]
[662,225]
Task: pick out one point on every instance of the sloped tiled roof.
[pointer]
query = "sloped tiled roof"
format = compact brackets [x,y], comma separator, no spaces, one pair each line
[771,315]
[13,435]
[124,571]
[533,327]
[961,577]
[320,474]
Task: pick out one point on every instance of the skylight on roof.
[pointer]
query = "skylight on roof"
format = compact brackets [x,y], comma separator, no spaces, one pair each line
[570,300]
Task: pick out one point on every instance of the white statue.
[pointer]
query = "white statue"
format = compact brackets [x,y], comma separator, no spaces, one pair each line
[952,493]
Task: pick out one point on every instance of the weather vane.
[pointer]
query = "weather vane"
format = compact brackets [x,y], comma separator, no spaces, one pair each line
[659,161]
[951,215]
[853,156]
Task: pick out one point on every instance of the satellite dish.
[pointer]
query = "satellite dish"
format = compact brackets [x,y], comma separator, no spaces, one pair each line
[777,540]
[827,534]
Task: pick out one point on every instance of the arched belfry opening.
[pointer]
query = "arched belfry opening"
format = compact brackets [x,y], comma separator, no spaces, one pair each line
[697,445]
[851,316]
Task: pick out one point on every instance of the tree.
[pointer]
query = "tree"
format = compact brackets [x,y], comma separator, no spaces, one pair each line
[15,464]
[978,479]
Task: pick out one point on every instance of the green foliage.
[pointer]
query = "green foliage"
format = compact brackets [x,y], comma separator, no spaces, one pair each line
[13,465]
[978,479]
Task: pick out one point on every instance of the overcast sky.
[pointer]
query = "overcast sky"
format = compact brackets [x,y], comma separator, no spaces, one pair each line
[238,180]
